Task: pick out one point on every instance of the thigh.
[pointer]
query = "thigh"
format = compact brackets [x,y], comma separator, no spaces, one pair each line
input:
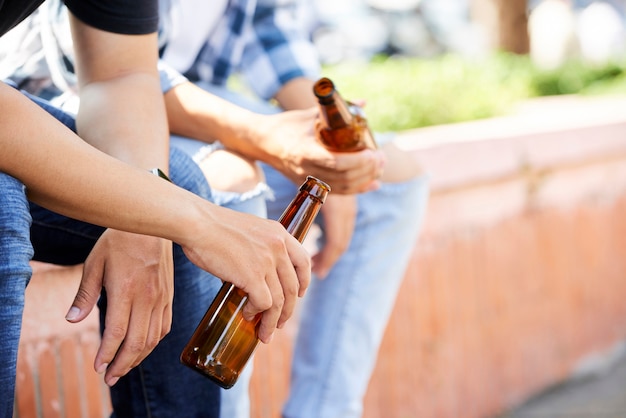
[58,239]
[15,272]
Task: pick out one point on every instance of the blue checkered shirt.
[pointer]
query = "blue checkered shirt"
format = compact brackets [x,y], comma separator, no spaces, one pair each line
[260,39]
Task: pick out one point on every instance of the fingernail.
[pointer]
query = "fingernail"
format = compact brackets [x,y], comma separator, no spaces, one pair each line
[102,368]
[112,381]
[72,314]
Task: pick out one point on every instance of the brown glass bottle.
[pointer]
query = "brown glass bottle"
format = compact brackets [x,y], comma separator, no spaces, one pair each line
[342,126]
[224,341]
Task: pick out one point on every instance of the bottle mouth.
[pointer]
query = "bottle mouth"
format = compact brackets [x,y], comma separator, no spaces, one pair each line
[324,88]
[316,187]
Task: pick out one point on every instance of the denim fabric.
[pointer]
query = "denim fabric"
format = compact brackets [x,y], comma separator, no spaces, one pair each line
[343,317]
[160,386]
[15,272]
[235,402]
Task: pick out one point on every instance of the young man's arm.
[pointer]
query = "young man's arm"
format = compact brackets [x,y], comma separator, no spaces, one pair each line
[122,114]
[63,173]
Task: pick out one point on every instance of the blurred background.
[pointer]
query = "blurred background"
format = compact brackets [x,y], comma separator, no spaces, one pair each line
[446,61]
[516,110]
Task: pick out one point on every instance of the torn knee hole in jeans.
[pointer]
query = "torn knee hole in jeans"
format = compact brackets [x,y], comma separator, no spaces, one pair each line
[228,171]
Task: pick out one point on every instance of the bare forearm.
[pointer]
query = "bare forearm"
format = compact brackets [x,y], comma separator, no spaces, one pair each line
[63,173]
[297,94]
[192,112]
[133,128]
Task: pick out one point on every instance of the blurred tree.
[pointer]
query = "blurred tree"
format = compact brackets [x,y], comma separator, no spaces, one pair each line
[513,16]
[505,23]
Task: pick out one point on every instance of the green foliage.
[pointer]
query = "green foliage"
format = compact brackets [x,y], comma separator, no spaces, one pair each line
[575,77]
[406,93]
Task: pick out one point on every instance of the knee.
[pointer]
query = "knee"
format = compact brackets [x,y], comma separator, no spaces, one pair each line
[400,165]
[231,172]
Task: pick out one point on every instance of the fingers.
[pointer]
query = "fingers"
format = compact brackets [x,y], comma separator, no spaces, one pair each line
[127,341]
[276,299]
[139,298]
[356,172]
[300,263]
[115,330]
[88,291]
[259,301]
[260,258]
[270,317]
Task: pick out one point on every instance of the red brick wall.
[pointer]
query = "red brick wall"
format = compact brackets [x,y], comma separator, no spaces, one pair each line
[517,278]
[55,375]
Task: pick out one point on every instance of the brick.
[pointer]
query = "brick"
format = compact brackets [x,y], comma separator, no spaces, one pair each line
[48,368]
[26,390]
[72,384]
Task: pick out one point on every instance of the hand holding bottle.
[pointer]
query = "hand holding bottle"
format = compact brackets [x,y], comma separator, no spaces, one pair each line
[261,258]
[226,338]
[342,126]
[287,141]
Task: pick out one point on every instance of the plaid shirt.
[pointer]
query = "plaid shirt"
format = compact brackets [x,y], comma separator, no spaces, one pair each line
[260,39]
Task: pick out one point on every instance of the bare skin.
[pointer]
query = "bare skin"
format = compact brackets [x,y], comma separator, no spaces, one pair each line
[121,100]
[287,142]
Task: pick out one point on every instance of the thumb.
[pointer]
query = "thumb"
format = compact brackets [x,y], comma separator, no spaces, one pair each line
[88,291]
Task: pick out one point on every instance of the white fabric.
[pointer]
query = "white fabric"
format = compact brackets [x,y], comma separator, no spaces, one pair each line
[184,44]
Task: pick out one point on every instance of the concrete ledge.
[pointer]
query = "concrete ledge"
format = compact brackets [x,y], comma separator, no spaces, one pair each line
[541,134]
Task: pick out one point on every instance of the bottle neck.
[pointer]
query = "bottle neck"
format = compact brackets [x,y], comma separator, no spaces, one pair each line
[334,110]
[301,212]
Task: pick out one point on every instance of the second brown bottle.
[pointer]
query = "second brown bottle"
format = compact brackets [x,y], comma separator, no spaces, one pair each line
[224,341]
[342,126]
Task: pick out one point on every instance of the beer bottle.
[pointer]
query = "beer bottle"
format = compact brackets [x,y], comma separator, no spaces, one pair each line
[342,126]
[224,341]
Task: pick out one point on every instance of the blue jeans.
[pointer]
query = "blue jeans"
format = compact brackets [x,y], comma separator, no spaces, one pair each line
[343,317]
[15,272]
[160,386]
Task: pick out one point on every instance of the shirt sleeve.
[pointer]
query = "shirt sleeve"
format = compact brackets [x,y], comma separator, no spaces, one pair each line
[277,48]
[119,16]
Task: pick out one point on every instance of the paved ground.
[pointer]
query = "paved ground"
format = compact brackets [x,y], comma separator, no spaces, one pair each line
[601,394]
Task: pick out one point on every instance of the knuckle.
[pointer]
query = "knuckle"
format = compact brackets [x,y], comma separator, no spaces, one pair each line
[152,343]
[83,295]
[265,304]
[289,292]
[116,332]
[307,262]
[136,347]
[279,300]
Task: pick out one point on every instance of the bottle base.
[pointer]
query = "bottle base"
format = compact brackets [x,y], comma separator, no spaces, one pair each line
[223,376]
